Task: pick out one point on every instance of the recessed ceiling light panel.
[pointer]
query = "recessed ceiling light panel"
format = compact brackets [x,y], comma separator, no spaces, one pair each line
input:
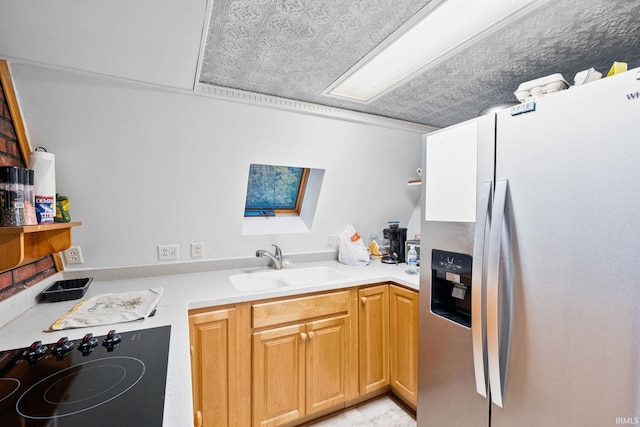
[419,45]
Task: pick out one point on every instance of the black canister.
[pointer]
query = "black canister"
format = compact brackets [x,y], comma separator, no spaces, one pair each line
[11,196]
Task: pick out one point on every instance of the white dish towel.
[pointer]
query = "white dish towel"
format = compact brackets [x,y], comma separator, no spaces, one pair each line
[106,309]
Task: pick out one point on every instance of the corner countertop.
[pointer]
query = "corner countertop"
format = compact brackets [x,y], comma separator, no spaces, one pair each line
[29,318]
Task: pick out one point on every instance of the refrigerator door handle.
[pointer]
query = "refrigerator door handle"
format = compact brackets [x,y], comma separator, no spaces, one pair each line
[478,324]
[499,294]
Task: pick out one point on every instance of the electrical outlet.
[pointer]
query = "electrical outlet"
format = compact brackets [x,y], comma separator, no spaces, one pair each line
[197,250]
[73,255]
[168,252]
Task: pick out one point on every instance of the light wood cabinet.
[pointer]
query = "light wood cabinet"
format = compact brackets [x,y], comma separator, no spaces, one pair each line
[272,362]
[373,329]
[327,357]
[278,375]
[301,368]
[403,336]
[219,381]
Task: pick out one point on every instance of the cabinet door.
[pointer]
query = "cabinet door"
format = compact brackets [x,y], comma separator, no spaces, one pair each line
[214,373]
[373,318]
[403,308]
[326,363]
[278,375]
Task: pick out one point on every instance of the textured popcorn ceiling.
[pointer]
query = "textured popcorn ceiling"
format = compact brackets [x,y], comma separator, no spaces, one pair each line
[295,49]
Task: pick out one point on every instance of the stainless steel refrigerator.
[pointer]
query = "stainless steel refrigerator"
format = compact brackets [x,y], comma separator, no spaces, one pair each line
[529,294]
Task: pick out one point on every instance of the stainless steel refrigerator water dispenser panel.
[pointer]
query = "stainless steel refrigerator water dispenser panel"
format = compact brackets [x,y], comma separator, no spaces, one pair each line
[451,286]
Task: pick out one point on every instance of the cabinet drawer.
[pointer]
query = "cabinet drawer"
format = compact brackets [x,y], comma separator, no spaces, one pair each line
[210,316]
[296,309]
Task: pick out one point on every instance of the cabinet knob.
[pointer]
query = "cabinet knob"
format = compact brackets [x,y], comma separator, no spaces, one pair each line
[197,419]
[311,335]
[363,300]
[303,336]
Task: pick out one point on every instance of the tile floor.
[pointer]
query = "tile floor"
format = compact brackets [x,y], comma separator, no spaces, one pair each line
[381,412]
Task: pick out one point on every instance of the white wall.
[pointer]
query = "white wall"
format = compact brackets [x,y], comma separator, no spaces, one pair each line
[144,166]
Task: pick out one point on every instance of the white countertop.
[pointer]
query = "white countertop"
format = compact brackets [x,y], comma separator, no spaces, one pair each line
[181,293]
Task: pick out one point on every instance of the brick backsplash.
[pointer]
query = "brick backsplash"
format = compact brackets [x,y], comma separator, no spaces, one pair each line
[13,281]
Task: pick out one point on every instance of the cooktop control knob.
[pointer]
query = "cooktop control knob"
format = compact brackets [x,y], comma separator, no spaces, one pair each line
[35,352]
[88,343]
[62,348]
[112,340]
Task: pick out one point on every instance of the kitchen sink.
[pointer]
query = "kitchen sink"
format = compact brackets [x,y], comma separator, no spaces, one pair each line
[256,281]
[290,278]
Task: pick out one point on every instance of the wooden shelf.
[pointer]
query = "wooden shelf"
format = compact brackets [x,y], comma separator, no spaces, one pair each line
[22,245]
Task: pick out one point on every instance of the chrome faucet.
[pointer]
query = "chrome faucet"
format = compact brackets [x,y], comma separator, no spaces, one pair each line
[276,259]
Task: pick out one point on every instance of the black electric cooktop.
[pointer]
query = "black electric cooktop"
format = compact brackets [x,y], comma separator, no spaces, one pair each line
[117,379]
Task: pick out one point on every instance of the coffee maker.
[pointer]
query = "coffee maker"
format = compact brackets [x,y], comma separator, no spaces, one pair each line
[397,237]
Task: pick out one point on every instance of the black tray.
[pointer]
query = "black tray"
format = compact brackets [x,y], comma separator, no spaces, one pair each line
[64,290]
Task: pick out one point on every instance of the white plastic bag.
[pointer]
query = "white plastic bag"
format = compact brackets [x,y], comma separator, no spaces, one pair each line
[352,250]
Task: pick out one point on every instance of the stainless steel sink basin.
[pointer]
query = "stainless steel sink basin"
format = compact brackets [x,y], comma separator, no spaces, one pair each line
[291,278]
